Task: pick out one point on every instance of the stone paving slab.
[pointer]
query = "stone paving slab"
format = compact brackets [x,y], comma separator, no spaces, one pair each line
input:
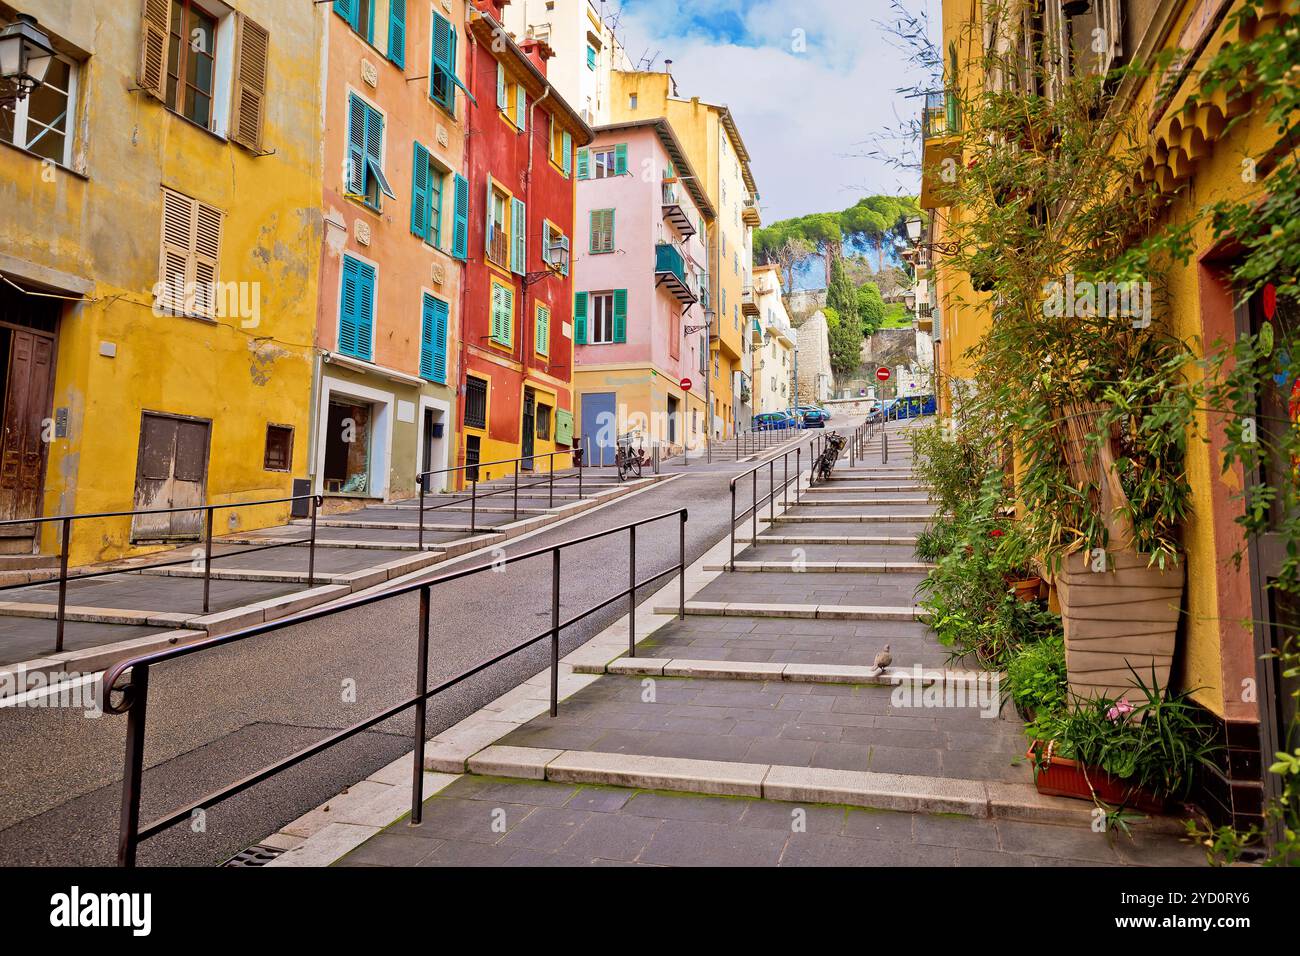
[832,726]
[489,821]
[788,553]
[815,587]
[30,639]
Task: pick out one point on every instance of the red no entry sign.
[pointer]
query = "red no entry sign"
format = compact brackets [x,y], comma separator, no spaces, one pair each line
[685,384]
[882,374]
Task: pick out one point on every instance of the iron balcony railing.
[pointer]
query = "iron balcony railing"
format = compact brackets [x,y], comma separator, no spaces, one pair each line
[668,258]
[129,679]
[208,511]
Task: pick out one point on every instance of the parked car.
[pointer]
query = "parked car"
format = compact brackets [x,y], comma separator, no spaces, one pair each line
[775,421]
[813,417]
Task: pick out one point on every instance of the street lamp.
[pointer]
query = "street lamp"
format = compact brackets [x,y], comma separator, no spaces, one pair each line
[914,229]
[909,299]
[25,55]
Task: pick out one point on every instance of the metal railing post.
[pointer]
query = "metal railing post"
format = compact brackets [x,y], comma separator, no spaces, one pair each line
[473,501]
[631,597]
[421,706]
[515,515]
[733,526]
[550,486]
[311,547]
[424,479]
[681,567]
[798,467]
[785,480]
[884,460]
[584,458]
[66,536]
[754,503]
[207,561]
[133,771]
[555,633]
[771,489]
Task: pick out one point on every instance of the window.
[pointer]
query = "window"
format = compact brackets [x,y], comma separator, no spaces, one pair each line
[365,167]
[503,314]
[475,403]
[357,308]
[433,339]
[279,448]
[542,427]
[442,72]
[428,183]
[360,16]
[561,146]
[605,313]
[555,251]
[542,331]
[631,101]
[191,62]
[602,163]
[591,57]
[191,249]
[602,231]
[42,121]
[497,232]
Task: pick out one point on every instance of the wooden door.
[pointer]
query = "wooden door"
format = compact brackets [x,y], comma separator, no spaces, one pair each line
[171,472]
[529,428]
[29,388]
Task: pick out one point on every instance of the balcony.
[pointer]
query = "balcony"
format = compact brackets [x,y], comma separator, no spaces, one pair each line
[749,302]
[499,247]
[674,213]
[670,273]
[941,116]
[749,213]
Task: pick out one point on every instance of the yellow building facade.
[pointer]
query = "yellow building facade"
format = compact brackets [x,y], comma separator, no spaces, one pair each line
[1195,159]
[715,148]
[158,257]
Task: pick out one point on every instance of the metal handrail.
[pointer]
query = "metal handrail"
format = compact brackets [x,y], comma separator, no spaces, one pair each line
[135,691]
[421,479]
[773,489]
[65,544]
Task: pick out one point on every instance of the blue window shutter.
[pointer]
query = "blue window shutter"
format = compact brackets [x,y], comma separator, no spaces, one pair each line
[357,308]
[502,102]
[374,135]
[460,219]
[365,310]
[580,318]
[521,107]
[420,224]
[426,337]
[584,164]
[620,159]
[568,152]
[519,234]
[348,308]
[620,315]
[441,314]
[356,174]
[397,32]
[348,10]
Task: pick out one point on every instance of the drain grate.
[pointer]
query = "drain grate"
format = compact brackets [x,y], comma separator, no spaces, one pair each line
[255,855]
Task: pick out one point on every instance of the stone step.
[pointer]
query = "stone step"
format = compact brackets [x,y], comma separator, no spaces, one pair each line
[847,489]
[841,567]
[888,518]
[808,500]
[796,673]
[829,612]
[830,539]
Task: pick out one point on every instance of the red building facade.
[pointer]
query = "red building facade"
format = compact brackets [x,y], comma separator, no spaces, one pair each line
[516,341]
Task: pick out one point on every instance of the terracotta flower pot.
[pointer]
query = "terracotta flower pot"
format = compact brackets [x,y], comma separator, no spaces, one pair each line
[1057,776]
[1126,616]
[1026,588]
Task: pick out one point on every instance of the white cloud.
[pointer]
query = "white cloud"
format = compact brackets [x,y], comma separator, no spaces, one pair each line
[805,114]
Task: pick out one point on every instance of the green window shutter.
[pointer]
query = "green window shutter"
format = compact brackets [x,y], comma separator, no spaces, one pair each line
[620,315]
[620,159]
[568,153]
[356,172]
[357,308]
[420,192]
[397,32]
[543,330]
[580,318]
[519,237]
[496,312]
[584,164]
[521,107]
[503,314]
[502,102]
[433,339]
[460,219]
[349,10]
[602,231]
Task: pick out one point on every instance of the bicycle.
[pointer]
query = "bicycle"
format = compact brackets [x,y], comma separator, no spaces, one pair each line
[628,461]
[835,443]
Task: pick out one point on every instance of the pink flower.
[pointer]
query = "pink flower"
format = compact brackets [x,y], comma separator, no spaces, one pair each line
[1122,708]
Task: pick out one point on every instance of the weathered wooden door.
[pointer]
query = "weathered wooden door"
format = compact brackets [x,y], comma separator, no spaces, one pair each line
[28,390]
[171,472]
[528,429]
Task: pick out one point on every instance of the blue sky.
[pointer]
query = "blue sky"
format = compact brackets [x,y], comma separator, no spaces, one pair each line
[808,81]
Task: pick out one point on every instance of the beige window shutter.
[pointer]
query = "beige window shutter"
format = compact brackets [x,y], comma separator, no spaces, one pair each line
[207,253]
[251,47]
[154,19]
[175,271]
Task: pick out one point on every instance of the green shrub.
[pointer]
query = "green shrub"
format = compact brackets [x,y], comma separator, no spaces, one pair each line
[1036,675]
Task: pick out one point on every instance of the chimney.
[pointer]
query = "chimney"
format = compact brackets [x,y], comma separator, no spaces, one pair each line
[538,51]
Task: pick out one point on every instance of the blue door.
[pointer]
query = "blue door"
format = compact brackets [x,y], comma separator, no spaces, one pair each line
[599,426]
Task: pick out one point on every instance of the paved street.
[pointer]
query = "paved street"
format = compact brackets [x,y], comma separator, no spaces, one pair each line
[215,716]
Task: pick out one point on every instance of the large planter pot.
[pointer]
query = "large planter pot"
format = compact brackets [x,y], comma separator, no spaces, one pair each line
[1026,589]
[1056,776]
[1126,616]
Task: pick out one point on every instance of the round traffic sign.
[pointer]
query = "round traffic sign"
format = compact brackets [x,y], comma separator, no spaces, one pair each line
[685,384]
[882,374]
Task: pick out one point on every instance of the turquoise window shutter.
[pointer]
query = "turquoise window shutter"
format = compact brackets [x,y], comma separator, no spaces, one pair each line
[348,10]
[366,310]
[356,174]
[521,107]
[584,164]
[441,317]
[426,337]
[620,315]
[357,308]
[502,102]
[543,331]
[460,219]
[580,318]
[620,159]
[348,308]
[397,32]
[519,228]
[568,153]
[420,192]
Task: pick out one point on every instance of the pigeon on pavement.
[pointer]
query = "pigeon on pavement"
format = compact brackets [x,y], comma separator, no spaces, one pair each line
[883,659]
